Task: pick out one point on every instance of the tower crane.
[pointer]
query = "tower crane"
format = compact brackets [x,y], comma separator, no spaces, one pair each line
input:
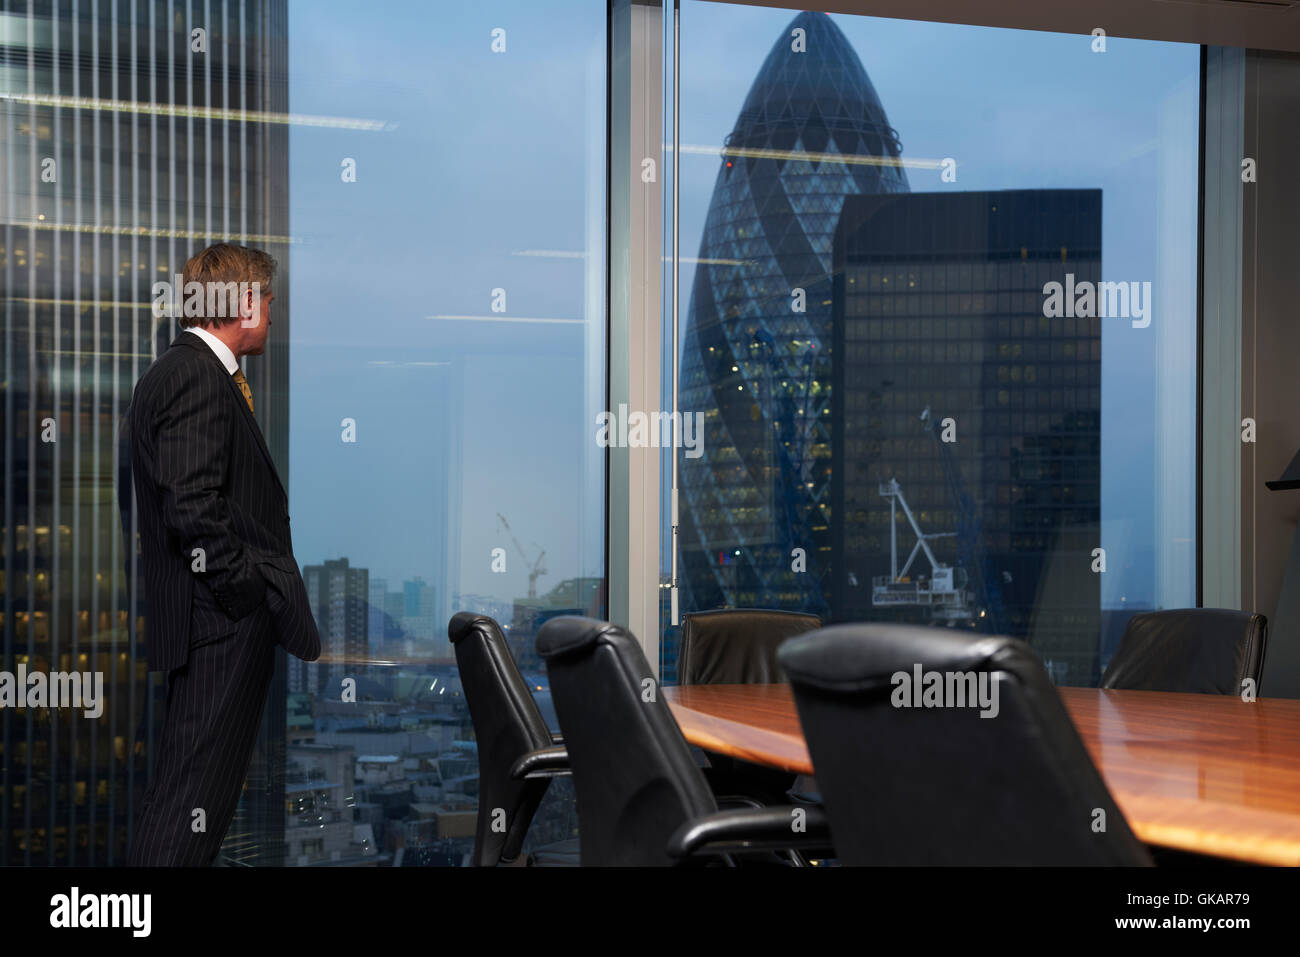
[944,592]
[536,568]
[970,536]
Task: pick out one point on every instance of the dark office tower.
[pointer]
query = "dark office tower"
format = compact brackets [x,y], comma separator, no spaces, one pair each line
[950,379]
[340,602]
[123,150]
[757,339]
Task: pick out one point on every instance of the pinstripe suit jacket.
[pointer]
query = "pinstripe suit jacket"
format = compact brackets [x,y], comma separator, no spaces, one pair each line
[203,478]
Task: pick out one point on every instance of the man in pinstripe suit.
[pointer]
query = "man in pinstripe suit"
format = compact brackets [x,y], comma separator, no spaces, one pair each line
[222,585]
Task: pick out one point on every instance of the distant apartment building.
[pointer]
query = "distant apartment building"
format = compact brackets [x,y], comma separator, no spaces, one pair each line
[319,795]
[340,600]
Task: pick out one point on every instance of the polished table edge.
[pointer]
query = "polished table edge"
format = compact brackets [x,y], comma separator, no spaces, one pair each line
[1156,819]
[788,752]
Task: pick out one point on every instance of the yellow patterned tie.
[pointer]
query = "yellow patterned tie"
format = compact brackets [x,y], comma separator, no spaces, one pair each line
[243,387]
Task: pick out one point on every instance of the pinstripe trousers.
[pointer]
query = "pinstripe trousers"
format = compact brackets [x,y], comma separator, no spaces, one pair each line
[214,707]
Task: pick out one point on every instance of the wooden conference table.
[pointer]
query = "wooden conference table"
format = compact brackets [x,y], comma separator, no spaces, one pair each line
[1210,774]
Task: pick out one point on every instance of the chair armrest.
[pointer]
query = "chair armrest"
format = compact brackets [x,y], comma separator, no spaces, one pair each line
[751,829]
[542,763]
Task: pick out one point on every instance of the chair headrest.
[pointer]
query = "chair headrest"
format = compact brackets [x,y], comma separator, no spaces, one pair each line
[465,623]
[858,657]
[567,634]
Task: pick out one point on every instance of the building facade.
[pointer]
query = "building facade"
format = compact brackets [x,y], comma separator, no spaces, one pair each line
[340,603]
[131,136]
[951,381]
[756,358]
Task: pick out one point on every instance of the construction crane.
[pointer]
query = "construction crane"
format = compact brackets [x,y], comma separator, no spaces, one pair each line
[970,536]
[790,441]
[944,592]
[536,568]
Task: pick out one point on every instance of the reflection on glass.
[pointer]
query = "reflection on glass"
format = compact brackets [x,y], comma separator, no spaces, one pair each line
[447,356]
[428,390]
[904,421]
[122,157]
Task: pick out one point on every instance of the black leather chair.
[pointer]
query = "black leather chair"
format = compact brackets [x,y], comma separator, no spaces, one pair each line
[943,785]
[738,646]
[517,754]
[1205,650]
[641,799]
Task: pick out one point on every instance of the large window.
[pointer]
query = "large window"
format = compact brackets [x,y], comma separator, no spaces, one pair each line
[938,313]
[431,179]
[447,353]
[937,307]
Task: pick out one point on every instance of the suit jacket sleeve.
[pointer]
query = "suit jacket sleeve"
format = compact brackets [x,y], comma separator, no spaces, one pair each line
[192,423]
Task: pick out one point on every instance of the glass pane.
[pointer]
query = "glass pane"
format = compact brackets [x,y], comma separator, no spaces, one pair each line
[432,184]
[450,303]
[909,277]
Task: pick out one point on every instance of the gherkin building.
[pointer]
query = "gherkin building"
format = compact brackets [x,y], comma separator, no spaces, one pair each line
[756,352]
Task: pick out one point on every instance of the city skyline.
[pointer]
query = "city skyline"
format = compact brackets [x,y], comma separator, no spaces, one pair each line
[1125,515]
[957,91]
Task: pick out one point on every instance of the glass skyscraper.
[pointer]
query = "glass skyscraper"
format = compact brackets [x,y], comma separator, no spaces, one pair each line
[756,356]
[951,381]
[131,135]
[825,362]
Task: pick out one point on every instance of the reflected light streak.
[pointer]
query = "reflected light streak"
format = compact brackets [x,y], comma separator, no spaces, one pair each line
[196,112]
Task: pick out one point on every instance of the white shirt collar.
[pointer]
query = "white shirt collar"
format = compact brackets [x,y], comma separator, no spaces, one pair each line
[221,350]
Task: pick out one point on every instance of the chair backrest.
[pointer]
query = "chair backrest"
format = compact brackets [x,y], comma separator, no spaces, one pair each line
[633,773]
[507,725]
[737,645]
[906,782]
[1206,650]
